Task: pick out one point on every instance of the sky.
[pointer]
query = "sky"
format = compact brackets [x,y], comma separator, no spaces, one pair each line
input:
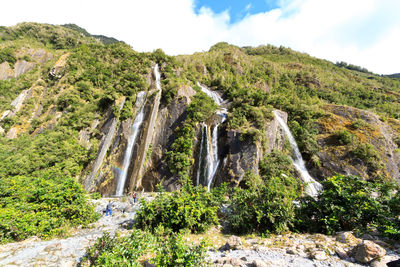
[360,32]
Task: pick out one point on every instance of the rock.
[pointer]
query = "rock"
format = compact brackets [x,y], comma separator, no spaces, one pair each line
[319,255]
[259,263]
[236,262]
[233,243]
[22,66]
[5,71]
[67,264]
[367,251]
[395,263]
[12,133]
[347,238]
[384,261]
[252,241]
[341,253]
[58,68]
[227,265]
[367,237]
[148,264]
[40,55]
[292,251]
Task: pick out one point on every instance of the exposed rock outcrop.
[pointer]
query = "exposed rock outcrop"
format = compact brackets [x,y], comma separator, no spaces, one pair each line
[21,66]
[168,119]
[59,66]
[367,128]
[108,128]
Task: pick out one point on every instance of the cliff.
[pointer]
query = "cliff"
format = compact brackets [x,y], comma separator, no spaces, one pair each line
[56,81]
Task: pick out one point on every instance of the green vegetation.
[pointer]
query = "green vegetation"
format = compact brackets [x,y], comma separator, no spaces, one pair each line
[39,173]
[345,137]
[192,209]
[264,203]
[40,169]
[180,156]
[44,207]
[161,249]
[7,54]
[350,203]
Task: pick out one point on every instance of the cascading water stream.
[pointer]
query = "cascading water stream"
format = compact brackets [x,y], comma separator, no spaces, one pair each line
[158,77]
[210,143]
[140,102]
[211,94]
[313,187]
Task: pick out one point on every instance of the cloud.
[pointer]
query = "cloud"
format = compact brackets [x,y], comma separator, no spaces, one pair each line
[361,32]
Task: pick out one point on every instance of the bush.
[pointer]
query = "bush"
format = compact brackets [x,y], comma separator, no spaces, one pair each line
[346,203]
[133,250]
[344,137]
[193,209]
[369,155]
[264,208]
[42,207]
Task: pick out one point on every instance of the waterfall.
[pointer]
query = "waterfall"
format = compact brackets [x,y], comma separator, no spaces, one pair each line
[140,102]
[313,187]
[208,156]
[201,152]
[211,94]
[158,77]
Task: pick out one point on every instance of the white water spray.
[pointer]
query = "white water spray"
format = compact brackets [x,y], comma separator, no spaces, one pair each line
[140,102]
[313,187]
[210,143]
[211,94]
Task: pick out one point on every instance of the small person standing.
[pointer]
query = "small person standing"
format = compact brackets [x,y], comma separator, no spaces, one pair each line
[109,208]
[134,197]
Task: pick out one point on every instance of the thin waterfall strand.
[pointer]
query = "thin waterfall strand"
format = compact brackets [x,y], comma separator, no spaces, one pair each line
[201,152]
[131,142]
[214,161]
[313,187]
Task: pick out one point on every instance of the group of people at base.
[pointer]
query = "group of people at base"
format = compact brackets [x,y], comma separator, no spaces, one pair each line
[131,198]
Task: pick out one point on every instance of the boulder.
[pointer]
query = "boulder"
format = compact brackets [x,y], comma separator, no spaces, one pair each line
[386,261]
[347,238]
[233,243]
[367,251]
[319,255]
[395,263]
[259,263]
[227,261]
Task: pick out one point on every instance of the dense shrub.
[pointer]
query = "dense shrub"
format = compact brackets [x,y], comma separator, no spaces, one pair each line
[263,207]
[41,206]
[367,153]
[348,203]
[192,208]
[133,250]
[344,137]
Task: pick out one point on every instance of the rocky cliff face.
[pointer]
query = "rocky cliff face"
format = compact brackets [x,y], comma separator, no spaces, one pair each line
[370,151]
[79,87]
[21,66]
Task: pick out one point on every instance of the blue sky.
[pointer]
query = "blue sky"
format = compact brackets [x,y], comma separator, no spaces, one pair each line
[361,32]
[237,9]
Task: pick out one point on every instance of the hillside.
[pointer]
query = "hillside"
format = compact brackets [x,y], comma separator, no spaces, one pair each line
[82,113]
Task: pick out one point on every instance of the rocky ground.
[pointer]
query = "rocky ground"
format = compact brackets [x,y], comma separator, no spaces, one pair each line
[68,251]
[280,250]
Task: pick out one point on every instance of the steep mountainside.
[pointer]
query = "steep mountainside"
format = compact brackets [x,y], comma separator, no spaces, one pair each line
[73,106]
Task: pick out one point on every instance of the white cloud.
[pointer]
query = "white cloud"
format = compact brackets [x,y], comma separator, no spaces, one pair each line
[362,32]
